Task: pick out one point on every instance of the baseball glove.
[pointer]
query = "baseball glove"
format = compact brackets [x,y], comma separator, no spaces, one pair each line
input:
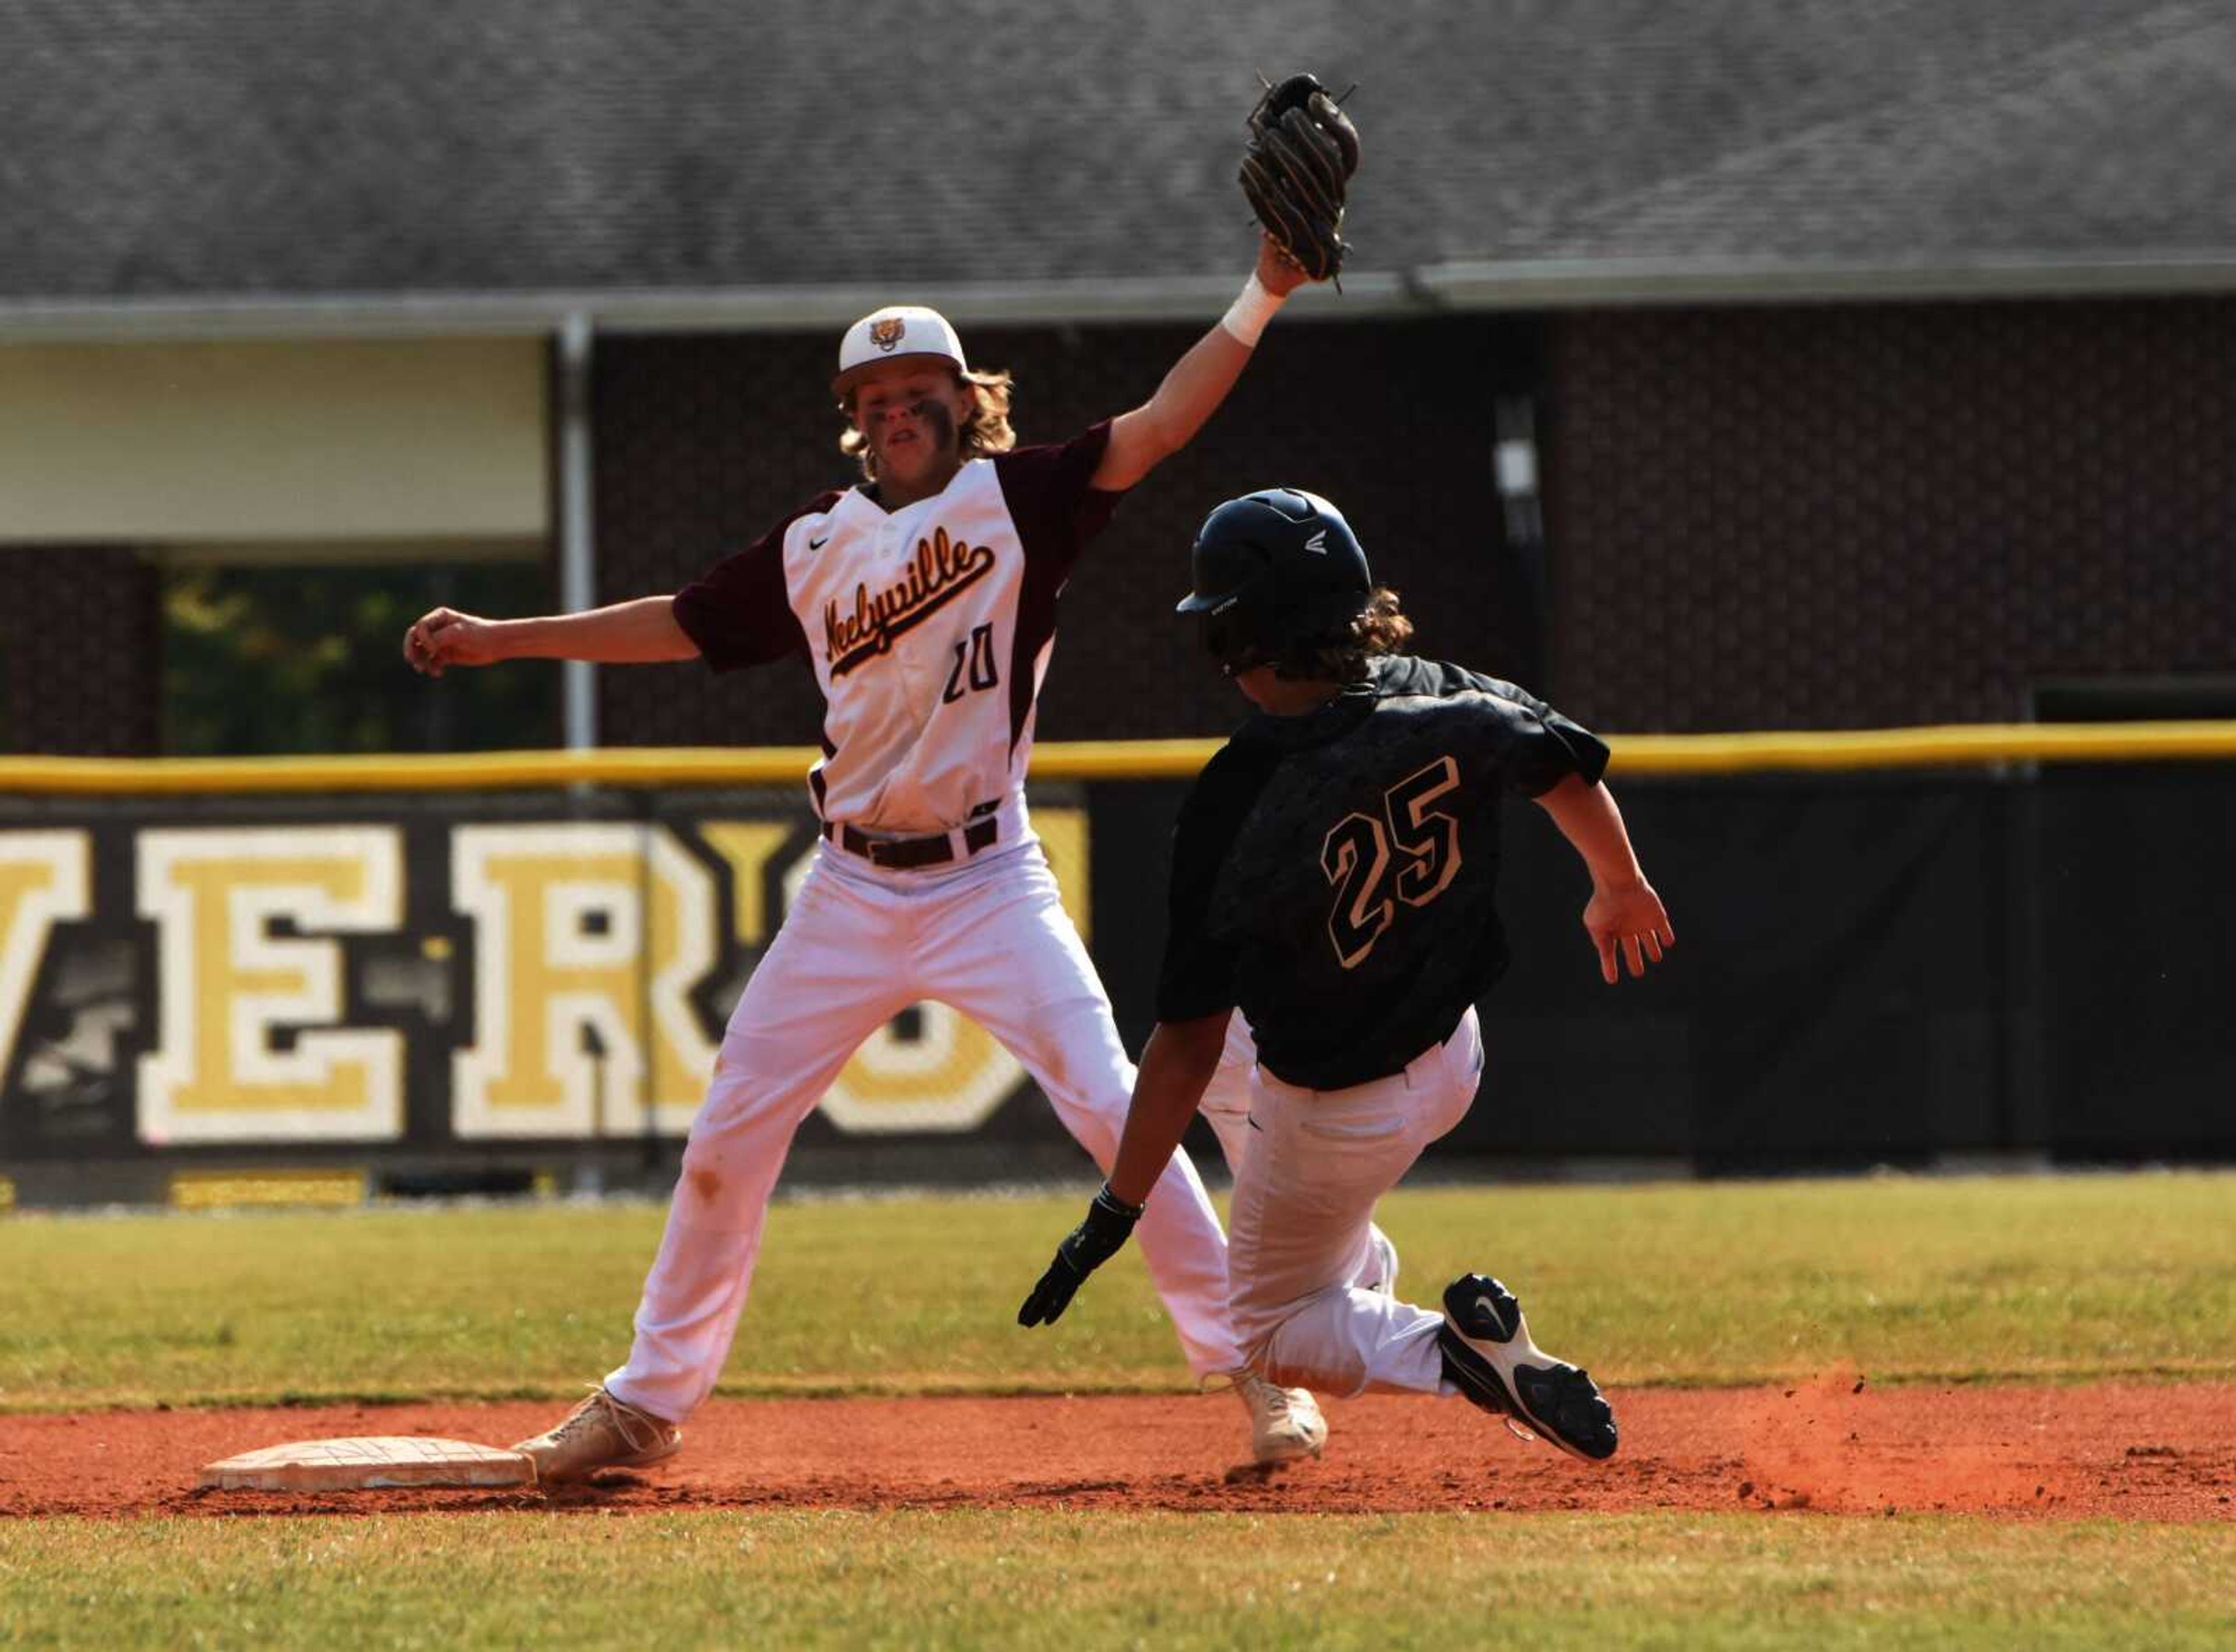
[1296,172]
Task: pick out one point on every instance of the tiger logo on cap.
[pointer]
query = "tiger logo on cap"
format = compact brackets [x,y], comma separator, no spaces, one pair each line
[888,332]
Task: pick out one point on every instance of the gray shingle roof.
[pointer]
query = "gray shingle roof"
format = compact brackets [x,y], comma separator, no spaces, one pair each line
[198,149]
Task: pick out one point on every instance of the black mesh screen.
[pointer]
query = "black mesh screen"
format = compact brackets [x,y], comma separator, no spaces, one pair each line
[81,668]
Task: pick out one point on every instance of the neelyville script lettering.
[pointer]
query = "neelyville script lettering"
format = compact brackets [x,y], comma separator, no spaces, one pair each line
[941,569]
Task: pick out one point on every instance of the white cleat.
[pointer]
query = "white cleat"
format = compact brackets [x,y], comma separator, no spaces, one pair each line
[600,1434]
[1285,1422]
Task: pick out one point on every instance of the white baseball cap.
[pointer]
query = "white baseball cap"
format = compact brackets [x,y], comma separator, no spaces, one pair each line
[891,334]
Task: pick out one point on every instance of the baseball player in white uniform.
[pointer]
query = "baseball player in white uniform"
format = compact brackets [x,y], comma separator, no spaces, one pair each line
[925,600]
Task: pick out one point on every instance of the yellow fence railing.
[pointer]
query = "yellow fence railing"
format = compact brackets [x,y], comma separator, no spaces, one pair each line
[1957,744]
[1945,746]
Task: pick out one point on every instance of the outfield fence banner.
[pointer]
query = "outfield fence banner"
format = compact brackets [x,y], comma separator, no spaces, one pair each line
[1887,965]
[430,976]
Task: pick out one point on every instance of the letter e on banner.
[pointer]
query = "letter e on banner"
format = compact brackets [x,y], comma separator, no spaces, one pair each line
[227,984]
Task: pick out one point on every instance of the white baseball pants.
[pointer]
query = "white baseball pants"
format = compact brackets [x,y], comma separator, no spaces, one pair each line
[1300,1235]
[989,938]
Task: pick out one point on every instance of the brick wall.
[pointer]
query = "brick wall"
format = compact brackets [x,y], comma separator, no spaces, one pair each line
[1849,517]
[1812,516]
[702,442]
[81,668]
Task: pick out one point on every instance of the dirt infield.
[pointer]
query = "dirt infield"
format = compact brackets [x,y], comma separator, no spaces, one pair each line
[2159,1451]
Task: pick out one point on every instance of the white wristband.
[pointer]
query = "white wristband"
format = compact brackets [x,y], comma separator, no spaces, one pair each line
[1247,316]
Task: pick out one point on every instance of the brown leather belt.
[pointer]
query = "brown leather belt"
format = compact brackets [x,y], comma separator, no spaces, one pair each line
[906,853]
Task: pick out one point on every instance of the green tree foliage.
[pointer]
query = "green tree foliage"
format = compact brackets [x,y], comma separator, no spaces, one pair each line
[308,660]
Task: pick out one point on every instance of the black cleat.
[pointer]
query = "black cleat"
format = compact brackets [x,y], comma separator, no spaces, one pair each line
[1489,1358]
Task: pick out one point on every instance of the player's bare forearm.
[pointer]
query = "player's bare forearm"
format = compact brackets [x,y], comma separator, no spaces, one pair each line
[1587,815]
[1625,916]
[1142,439]
[1191,392]
[1176,1067]
[634,633]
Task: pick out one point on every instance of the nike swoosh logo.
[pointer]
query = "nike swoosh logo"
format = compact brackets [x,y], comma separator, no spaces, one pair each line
[817,544]
[1490,1311]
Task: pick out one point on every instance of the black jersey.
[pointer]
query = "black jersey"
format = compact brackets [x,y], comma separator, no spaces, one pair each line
[1334,874]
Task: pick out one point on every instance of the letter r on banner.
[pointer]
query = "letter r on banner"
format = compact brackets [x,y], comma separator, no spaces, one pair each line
[581,931]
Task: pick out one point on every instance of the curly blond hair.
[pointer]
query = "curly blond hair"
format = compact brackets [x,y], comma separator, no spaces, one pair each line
[986,431]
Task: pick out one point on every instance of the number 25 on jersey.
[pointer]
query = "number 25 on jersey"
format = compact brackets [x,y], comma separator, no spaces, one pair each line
[1370,880]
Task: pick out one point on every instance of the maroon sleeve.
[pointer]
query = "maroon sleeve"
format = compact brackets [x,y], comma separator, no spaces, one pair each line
[1050,496]
[739,612]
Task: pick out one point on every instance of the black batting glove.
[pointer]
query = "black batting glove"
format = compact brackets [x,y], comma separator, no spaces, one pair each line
[1095,1242]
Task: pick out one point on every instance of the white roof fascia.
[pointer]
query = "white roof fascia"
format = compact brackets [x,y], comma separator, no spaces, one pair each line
[1444,287]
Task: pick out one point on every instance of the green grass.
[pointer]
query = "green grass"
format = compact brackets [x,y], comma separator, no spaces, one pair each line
[2053,1279]
[1172,1581]
[1904,1278]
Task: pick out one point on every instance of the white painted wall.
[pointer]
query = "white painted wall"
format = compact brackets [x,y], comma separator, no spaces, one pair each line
[378,440]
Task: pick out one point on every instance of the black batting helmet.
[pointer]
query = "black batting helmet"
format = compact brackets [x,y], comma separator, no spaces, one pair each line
[1273,569]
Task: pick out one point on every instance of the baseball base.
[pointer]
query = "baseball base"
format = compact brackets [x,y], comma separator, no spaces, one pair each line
[368,1465]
